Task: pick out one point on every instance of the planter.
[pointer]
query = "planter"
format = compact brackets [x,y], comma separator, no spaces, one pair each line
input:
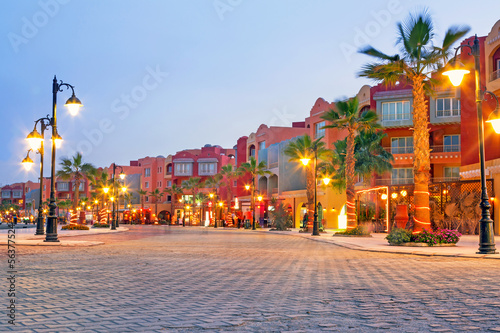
[413,244]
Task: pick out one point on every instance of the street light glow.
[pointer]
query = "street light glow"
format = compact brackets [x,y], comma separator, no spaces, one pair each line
[456,73]
[73,104]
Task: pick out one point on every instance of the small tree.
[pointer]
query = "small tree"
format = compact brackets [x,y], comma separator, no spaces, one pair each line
[281,219]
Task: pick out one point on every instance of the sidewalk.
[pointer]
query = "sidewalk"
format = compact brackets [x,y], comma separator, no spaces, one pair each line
[465,248]
[26,237]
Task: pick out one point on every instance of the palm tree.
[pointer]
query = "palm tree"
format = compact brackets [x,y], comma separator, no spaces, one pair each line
[418,58]
[74,168]
[214,182]
[142,193]
[300,148]
[192,184]
[229,175]
[174,191]
[253,169]
[157,195]
[346,116]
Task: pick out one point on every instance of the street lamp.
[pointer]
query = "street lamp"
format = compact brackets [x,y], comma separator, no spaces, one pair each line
[114,221]
[73,105]
[305,161]
[456,74]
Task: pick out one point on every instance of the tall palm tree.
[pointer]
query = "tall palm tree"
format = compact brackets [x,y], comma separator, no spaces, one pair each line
[418,58]
[193,184]
[157,195]
[142,194]
[74,168]
[229,175]
[214,182]
[302,147]
[174,191]
[346,116]
[253,169]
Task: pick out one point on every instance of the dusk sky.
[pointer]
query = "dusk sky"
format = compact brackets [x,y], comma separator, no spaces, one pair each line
[157,77]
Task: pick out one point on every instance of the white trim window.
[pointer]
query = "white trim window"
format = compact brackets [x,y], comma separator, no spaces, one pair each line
[403,145]
[447,107]
[6,194]
[402,176]
[262,145]
[319,131]
[397,110]
[146,184]
[62,186]
[183,168]
[147,172]
[451,173]
[207,168]
[451,143]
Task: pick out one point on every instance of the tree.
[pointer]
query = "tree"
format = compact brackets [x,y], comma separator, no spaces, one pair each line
[74,168]
[253,169]
[304,147]
[142,193]
[229,175]
[174,191]
[418,58]
[192,184]
[157,195]
[214,182]
[346,116]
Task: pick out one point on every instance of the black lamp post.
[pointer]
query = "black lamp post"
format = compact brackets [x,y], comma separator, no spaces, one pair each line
[306,161]
[486,232]
[35,140]
[114,222]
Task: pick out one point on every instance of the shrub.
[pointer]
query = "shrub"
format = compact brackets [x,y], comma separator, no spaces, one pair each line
[358,231]
[440,236]
[100,225]
[280,217]
[75,227]
[398,236]
[426,237]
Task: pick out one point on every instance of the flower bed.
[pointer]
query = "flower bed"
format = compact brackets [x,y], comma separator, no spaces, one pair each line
[439,237]
[100,225]
[359,231]
[75,227]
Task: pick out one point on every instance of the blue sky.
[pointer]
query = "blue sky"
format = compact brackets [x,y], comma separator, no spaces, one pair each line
[156,77]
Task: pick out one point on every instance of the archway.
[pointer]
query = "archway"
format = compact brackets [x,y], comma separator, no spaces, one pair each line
[164,215]
[262,185]
[273,184]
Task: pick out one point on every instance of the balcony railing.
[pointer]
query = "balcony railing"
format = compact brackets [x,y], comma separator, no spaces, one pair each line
[395,181]
[435,149]
[495,75]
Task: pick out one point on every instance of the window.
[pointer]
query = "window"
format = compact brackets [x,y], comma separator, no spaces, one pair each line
[159,184]
[169,183]
[451,143]
[252,151]
[147,172]
[319,132]
[262,145]
[451,173]
[146,199]
[169,169]
[402,145]
[62,186]
[184,169]
[447,107]
[207,168]
[159,169]
[44,187]
[399,110]
[5,194]
[169,198]
[402,176]
[82,186]
[146,184]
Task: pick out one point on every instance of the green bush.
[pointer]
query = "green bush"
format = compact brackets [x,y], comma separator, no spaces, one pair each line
[398,236]
[100,225]
[358,231]
[75,227]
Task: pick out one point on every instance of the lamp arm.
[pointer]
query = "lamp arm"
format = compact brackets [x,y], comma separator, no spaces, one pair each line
[67,85]
[460,47]
[493,95]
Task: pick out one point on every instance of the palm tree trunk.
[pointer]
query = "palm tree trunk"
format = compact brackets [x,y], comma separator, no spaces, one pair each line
[421,159]
[310,194]
[77,194]
[350,174]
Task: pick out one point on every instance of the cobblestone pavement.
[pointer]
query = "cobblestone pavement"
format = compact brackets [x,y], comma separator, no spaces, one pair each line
[173,279]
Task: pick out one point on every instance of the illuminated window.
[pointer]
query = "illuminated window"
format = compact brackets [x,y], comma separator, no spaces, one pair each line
[447,107]
[399,110]
[319,132]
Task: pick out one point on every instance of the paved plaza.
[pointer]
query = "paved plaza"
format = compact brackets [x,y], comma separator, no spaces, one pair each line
[174,279]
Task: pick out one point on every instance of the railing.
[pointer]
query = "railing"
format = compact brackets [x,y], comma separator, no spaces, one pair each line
[434,149]
[445,179]
[395,181]
[495,75]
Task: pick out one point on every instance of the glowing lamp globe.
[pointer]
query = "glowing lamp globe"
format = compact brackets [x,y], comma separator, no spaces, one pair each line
[456,73]
[73,104]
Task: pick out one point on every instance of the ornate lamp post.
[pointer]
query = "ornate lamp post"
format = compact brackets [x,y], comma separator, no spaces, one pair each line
[35,138]
[114,222]
[456,74]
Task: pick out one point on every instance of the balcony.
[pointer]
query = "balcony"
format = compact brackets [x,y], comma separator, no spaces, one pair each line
[495,75]
[434,149]
[394,181]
